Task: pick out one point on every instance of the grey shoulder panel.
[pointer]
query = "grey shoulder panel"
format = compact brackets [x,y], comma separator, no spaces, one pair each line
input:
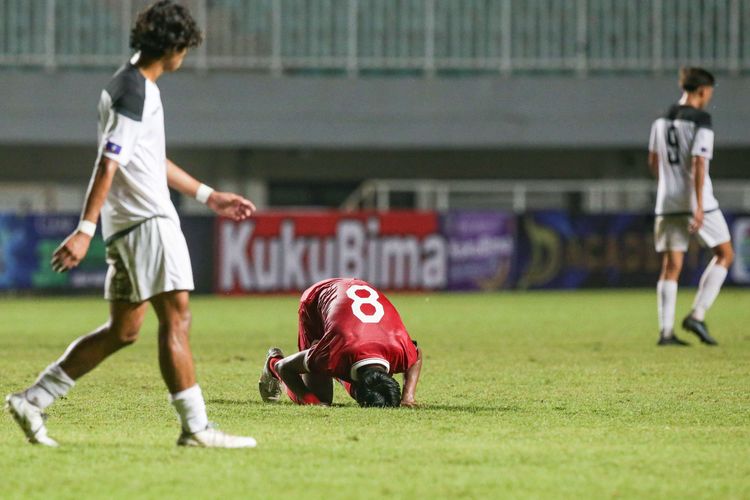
[128,92]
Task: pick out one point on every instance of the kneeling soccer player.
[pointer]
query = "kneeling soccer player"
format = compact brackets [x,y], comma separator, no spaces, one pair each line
[351,332]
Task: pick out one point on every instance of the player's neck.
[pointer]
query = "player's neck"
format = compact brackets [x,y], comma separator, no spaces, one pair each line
[152,69]
[691,100]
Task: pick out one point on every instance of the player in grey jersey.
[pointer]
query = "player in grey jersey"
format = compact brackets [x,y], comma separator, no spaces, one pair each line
[146,250]
[680,150]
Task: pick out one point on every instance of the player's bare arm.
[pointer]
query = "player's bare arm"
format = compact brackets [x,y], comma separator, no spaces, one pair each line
[699,176]
[225,204]
[73,249]
[411,377]
[653,163]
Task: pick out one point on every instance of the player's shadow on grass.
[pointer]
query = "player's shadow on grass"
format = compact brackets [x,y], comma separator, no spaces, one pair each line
[236,402]
[469,408]
[422,407]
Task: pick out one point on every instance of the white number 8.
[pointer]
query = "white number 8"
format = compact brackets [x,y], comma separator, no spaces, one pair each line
[371,299]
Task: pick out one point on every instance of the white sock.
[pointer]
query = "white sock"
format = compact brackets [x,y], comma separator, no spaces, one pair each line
[52,384]
[191,409]
[708,289]
[666,299]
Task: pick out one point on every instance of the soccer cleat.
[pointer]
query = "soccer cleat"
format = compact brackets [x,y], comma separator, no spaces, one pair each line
[214,438]
[699,328]
[29,418]
[268,385]
[671,340]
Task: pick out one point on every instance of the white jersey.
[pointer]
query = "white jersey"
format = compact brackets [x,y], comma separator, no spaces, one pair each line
[131,132]
[682,133]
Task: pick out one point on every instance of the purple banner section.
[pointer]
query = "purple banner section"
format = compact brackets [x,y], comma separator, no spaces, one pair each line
[481,248]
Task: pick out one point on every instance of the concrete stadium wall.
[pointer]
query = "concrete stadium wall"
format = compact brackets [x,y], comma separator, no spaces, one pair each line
[243,110]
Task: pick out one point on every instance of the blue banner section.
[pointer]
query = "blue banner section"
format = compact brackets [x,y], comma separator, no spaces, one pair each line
[26,247]
[27,244]
[556,249]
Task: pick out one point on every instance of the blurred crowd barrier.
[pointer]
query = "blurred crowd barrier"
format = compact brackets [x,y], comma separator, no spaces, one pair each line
[423,36]
[279,252]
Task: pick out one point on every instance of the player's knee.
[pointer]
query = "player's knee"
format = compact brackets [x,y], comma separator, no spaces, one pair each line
[725,255]
[377,388]
[178,322]
[125,335]
[670,269]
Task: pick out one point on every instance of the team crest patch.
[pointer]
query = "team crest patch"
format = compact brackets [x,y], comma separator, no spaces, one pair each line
[113,148]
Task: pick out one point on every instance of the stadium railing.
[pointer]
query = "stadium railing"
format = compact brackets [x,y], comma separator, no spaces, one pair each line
[588,196]
[413,36]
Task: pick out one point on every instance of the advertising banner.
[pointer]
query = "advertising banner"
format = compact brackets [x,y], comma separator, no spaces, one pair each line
[279,252]
[481,249]
[560,250]
[740,271]
[26,247]
[456,250]
[27,244]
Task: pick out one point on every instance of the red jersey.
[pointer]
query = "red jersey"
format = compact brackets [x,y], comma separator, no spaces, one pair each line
[346,323]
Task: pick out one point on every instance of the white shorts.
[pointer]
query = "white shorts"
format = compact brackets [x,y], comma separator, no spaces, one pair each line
[671,232]
[150,259]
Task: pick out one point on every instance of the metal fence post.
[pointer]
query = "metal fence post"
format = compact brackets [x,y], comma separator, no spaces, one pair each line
[352,60]
[49,37]
[202,15]
[656,30]
[276,63]
[582,21]
[127,14]
[734,37]
[506,38]
[429,38]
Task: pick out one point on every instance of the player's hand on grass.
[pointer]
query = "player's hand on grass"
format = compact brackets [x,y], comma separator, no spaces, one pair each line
[230,205]
[409,403]
[697,222]
[71,252]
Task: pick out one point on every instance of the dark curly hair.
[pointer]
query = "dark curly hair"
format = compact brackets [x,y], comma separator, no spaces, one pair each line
[691,78]
[376,388]
[163,27]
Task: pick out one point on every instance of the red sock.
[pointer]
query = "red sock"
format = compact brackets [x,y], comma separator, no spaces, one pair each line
[272,366]
[308,399]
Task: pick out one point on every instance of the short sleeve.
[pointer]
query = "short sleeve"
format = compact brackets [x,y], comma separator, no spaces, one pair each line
[407,359]
[652,139]
[703,144]
[119,142]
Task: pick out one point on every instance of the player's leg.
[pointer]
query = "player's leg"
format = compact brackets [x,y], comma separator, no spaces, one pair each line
[714,234]
[176,364]
[82,356]
[666,296]
[712,280]
[319,387]
[671,238]
[122,330]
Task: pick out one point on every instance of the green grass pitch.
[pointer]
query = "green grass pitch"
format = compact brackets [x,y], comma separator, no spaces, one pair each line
[524,395]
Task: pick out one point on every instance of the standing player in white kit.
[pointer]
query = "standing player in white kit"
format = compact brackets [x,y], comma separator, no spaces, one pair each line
[146,250]
[680,149]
